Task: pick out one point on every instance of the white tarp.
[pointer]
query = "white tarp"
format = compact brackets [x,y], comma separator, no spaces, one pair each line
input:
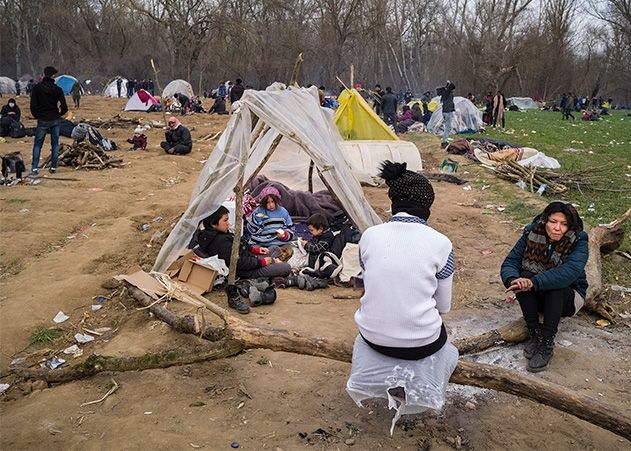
[466,118]
[111,90]
[294,113]
[7,85]
[178,87]
[136,104]
[523,103]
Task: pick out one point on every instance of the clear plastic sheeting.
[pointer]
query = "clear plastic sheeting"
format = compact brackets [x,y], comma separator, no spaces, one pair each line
[111,90]
[7,85]
[466,118]
[523,103]
[310,135]
[424,381]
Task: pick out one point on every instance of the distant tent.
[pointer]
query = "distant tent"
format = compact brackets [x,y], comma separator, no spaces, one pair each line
[24,79]
[178,87]
[523,103]
[140,101]
[467,118]
[355,119]
[7,85]
[66,82]
[111,89]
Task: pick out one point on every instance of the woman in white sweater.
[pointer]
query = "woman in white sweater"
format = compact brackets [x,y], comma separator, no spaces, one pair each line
[402,352]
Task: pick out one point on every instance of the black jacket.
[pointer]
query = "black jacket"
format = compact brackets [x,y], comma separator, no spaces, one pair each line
[6,110]
[47,101]
[447,98]
[389,103]
[211,242]
[180,135]
[236,92]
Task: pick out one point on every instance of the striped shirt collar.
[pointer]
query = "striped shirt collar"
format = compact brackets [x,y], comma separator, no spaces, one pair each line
[405,217]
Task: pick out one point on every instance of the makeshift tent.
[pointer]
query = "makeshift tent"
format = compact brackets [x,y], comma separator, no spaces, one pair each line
[357,120]
[289,117]
[523,103]
[140,101]
[24,79]
[467,118]
[178,87]
[111,89]
[66,82]
[7,85]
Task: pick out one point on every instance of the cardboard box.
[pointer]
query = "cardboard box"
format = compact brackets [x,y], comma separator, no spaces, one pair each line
[198,278]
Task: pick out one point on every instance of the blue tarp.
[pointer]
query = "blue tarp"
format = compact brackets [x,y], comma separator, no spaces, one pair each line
[65,82]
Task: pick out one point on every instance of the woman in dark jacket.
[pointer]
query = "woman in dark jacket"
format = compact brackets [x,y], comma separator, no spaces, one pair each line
[12,110]
[178,138]
[546,272]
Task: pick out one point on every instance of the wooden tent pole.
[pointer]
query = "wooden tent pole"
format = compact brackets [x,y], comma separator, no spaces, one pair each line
[155,76]
[293,81]
[352,76]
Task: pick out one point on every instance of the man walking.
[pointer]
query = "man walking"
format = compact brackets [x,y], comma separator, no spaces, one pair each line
[48,104]
[389,108]
[446,94]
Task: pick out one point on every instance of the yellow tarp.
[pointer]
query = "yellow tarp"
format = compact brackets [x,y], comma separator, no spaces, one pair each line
[357,120]
[432,105]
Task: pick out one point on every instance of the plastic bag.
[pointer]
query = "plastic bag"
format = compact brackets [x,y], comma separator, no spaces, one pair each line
[424,381]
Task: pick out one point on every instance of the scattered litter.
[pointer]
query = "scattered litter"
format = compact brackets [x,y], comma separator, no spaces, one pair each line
[96,307]
[157,234]
[625,315]
[521,184]
[100,299]
[591,207]
[157,219]
[71,349]
[603,323]
[500,209]
[542,189]
[144,227]
[148,413]
[565,343]
[95,190]
[487,252]
[449,166]
[194,445]
[467,188]
[83,338]
[234,445]
[54,363]
[620,288]
[4,387]
[485,187]
[102,330]
[18,361]
[24,210]
[60,317]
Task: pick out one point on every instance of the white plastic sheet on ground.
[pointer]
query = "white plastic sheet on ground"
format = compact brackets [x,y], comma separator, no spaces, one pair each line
[424,381]
[540,160]
[294,113]
[466,118]
[523,103]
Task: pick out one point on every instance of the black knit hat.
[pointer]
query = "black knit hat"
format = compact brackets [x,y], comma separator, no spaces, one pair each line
[409,191]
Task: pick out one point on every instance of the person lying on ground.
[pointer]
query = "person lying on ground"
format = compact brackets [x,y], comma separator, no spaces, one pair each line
[178,138]
[545,270]
[270,223]
[402,350]
[12,110]
[324,256]
[219,106]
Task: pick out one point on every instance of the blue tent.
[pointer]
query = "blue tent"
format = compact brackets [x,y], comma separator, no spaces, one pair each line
[65,82]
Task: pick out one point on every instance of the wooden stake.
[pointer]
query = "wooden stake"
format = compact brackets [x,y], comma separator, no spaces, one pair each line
[162,101]
[293,81]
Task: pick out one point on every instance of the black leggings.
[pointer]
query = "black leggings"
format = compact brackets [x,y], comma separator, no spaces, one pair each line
[552,303]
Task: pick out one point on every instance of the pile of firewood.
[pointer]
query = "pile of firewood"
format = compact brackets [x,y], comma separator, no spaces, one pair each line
[123,122]
[85,156]
[532,177]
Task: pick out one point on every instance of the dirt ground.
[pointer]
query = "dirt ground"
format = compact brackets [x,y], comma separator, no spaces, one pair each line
[63,240]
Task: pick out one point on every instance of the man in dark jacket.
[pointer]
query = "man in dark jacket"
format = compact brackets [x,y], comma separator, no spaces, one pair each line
[446,94]
[184,101]
[237,91]
[389,108]
[48,105]
[178,138]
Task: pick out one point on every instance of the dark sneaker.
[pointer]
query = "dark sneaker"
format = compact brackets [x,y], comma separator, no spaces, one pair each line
[52,170]
[34,173]
[443,145]
[542,356]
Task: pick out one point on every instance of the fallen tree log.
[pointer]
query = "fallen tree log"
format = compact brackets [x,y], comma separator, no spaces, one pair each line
[243,335]
[603,238]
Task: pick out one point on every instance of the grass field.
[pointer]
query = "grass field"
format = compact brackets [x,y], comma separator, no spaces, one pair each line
[578,145]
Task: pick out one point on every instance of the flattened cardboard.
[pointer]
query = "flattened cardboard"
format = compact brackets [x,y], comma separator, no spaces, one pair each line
[143,281]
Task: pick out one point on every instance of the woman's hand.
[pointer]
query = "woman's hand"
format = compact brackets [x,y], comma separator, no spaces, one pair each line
[520,285]
[263,250]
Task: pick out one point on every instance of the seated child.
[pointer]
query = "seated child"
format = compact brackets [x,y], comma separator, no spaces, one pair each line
[324,261]
[270,223]
[139,140]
